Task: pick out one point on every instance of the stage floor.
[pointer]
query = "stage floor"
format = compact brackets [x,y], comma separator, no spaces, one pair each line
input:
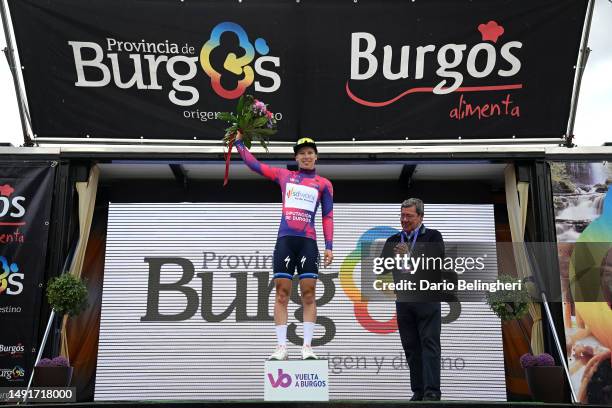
[300,404]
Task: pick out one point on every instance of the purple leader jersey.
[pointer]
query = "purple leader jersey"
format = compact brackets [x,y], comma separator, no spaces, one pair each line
[302,190]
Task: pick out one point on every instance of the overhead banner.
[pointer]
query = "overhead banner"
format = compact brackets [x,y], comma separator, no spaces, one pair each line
[583,217]
[25,205]
[333,70]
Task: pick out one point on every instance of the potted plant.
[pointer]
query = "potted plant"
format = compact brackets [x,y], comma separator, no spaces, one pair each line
[544,378]
[510,305]
[67,295]
[55,372]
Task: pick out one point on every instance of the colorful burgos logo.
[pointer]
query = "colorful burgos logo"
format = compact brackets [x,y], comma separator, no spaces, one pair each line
[240,66]
[282,379]
[11,205]
[10,280]
[347,281]
[14,374]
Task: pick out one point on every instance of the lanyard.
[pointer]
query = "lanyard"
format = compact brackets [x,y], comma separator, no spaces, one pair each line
[414,234]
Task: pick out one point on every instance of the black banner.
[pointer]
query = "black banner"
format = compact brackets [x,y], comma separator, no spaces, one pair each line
[332,70]
[26,190]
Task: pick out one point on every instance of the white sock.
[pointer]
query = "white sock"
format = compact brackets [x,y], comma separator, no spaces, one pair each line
[281,334]
[308,331]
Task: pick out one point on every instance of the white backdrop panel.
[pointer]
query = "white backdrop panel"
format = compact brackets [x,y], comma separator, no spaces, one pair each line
[196,358]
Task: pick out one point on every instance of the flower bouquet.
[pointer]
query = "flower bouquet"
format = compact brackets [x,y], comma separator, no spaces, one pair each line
[253,120]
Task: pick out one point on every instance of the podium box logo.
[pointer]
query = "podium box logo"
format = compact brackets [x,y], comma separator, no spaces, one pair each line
[296,380]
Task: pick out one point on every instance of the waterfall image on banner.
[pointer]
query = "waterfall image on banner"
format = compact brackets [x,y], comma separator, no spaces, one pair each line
[583,218]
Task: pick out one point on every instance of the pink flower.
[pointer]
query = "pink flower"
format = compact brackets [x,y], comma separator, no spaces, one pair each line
[270,115]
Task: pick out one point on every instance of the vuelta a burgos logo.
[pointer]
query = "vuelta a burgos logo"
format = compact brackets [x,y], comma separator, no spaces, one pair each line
[348,269]
[240,66]
[11,280]
[492,58]
[282,379]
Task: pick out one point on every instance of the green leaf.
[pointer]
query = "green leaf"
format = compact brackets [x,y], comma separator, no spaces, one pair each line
[242,122]
[259,122]
[263,143]
[248,117]
[248,102]
[240,105]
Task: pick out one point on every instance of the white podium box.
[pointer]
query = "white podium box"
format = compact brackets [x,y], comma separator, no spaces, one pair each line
[296,380]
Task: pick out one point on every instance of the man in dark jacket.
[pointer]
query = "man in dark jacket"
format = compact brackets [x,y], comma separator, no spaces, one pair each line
[418,311]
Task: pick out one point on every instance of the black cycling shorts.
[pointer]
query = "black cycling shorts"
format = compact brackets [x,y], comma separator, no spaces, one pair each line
[293,252]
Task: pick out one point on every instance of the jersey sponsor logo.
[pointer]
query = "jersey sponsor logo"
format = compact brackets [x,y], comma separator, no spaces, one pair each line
[302,197]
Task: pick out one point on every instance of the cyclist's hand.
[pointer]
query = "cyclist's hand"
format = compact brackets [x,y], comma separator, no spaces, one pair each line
[329,257]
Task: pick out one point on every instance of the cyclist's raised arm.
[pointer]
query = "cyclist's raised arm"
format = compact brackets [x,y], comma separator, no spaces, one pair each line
[268,172]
